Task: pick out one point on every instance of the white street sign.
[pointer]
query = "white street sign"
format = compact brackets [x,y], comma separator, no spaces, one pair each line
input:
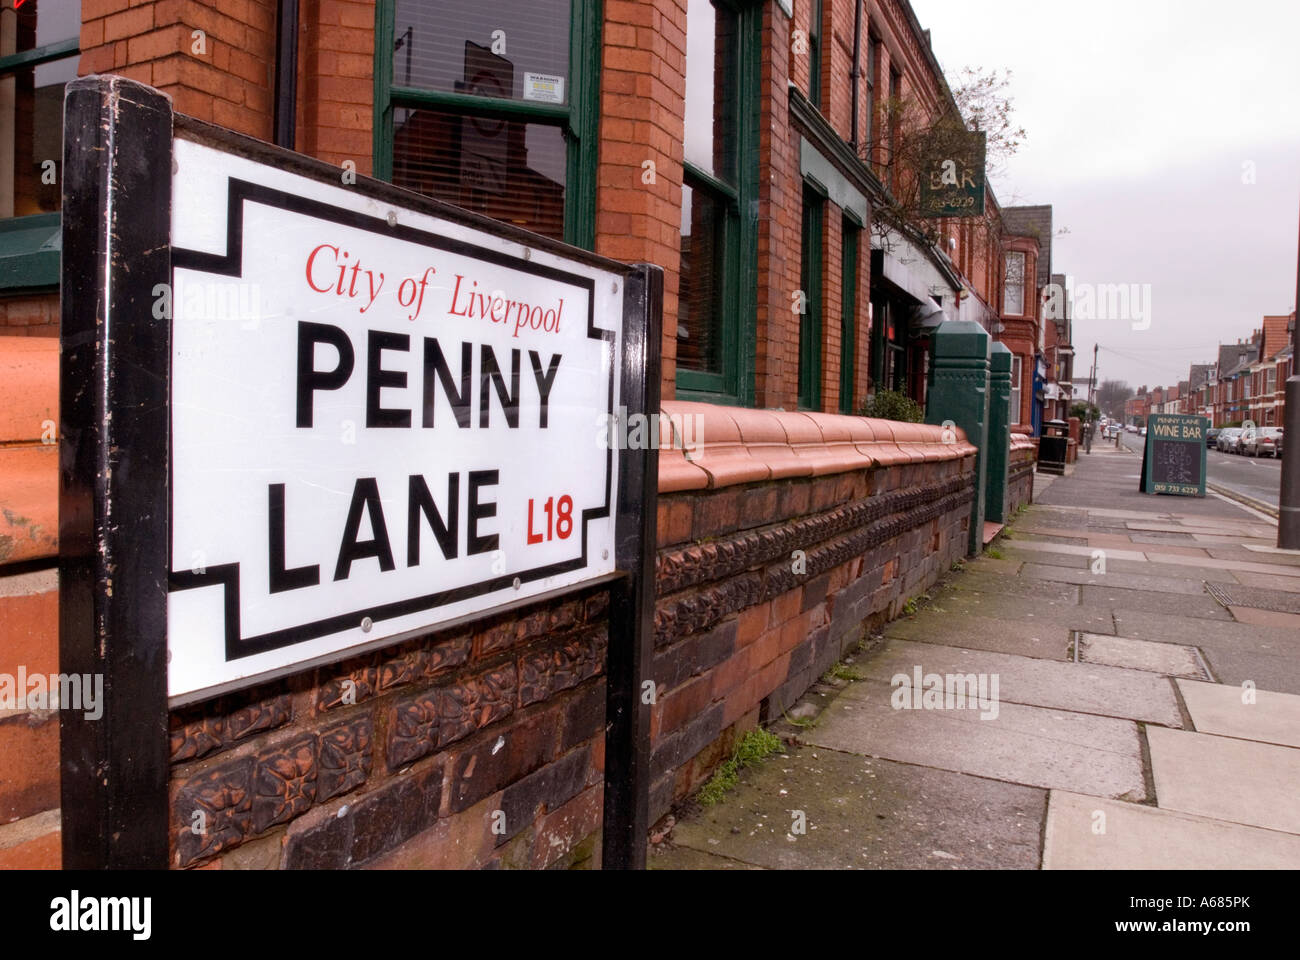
[381,421]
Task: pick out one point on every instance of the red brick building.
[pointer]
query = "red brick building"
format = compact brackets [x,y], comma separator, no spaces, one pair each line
[752,149]
[718,172]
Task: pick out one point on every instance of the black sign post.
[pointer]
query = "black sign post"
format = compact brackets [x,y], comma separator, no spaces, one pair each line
[117,463]
[1173,461]
[113,470]
[632,601]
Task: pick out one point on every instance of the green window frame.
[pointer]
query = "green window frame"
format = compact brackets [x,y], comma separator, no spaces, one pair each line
[810,318]
[579,119]
[30,244]
[850,245]
[815,53]
[738,234]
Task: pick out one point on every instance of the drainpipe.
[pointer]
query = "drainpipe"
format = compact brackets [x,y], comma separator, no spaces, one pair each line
[286,74]
[856,73]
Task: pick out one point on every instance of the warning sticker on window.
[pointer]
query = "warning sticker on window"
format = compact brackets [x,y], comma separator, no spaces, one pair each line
[544,87]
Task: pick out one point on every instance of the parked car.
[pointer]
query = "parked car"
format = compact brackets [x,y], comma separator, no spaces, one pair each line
[1211,437]
[1227,439]
[1262,441]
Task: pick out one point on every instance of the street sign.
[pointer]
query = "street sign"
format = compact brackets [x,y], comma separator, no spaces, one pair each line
[306,414]
[1173,461]
[952,184]
[381,420]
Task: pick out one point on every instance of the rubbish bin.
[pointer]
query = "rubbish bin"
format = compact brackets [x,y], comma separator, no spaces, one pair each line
[1053,447]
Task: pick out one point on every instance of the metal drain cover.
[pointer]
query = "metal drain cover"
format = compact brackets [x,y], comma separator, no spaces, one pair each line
[1231,595]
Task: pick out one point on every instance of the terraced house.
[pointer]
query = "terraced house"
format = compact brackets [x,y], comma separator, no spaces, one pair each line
[755,150]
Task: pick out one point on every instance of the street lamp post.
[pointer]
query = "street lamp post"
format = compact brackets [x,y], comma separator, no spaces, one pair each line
[1288,521]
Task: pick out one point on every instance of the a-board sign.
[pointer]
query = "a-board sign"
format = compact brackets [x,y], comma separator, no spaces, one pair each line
[1173,461]
[380,420]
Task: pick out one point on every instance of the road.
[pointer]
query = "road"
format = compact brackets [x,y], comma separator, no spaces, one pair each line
[1258,478]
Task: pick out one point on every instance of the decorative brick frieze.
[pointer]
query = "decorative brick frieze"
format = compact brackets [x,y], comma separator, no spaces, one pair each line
[358,683]
[546,672]
[697,610]
[701,563]
[200,730]
[212,811]
[284,783]
[346,757]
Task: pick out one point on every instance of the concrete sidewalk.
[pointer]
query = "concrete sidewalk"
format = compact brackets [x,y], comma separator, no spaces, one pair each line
[1115,684]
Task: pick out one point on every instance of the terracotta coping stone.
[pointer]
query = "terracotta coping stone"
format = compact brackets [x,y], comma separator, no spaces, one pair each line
[29,462]
[841,452]
[713,442]
[764,433]
[737,445]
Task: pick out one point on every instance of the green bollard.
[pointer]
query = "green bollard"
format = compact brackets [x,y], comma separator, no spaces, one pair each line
[959,392]
[995,504]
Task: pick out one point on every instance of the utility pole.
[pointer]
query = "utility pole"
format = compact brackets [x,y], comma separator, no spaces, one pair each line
[1092,383]
[1092,389]
[1288,520]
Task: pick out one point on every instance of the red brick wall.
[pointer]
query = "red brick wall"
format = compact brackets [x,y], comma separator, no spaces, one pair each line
[780,199]
[336,67]
[642,110]
[32,315]
[740,634]
[481,747]
[226,80]
[29,739]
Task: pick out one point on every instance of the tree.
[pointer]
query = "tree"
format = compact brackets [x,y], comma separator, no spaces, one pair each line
[1111,397]
[908,133]
[1085,411]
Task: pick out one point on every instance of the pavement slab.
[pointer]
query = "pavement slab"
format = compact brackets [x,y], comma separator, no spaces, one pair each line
[1288,559]
[1062,541]
[1227,779]
[1082,687]
[1275,549]
[1235,652]
[1063,592]
[1269,581]
[865,813]
[1033,746]
[1167,659]
[1203,607]
[1043,640]
[1187,587]
[1073,550]
[1266,618]
[1072,561]
[1230,711]
[668,857]
[1086,833]
[1024,610]
[1243,566]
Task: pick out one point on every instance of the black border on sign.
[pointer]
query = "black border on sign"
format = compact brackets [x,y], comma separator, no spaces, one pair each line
[230,264]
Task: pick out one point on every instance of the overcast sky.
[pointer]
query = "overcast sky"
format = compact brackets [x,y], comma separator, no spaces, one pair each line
[1144,119]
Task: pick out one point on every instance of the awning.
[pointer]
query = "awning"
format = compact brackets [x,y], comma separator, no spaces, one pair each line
[908,267]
